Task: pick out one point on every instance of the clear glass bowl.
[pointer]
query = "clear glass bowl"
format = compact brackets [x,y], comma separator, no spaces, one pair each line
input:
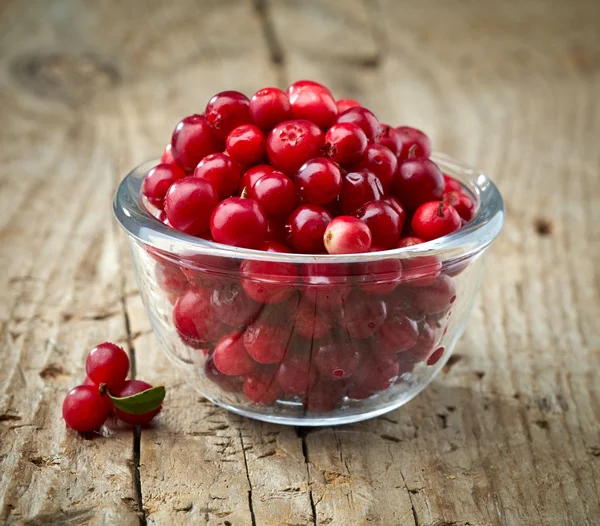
[347,337]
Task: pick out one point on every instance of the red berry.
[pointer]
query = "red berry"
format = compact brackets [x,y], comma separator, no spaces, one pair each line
[220,171]
[397,206]
[254,174]
[383,222]
[371,377]
[365,120]
[231,357]
[229,384]
[266,343]
[327,284]
[379,276]
[381,162]
[107,364]
[362,315]
[232,306]
[167,155]
[344,104]
[418,181]
[336,359]
[225,111]
[192,141]
[291,143]
[170,278]
[299,85]
[418,271]
[238,222]
[313,103]
[268,107]
[409,241]
[296,375]
[195,319]
[319,181]
[305,229]
[133,387]
[391,139]
[310,322]
[275,193]
[435,219]
[451,185]
[345,143]
[422,348]
[414,143]
[435,356]
[461,203]
[261,388]
[359,188]
[433,298]
[398,333]
[325,395]
[246,144]
[347,235]
[158,180]
[189,204]
[84,408]
[276,230]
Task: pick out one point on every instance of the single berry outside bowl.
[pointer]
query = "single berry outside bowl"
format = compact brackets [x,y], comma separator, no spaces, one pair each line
[309,339]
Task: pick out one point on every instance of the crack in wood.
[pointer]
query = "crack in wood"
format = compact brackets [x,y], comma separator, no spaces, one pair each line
[301,432]
[250,504]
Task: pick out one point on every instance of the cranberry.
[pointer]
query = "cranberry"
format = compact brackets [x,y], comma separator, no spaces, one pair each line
[319,181]
[398,333]
[345,104]
[420,271]
[391,139]
[397,206]
[345,143]
[238,222]
[158,180]
[231,357]
[192,141]
[418,181]
[409,241]
[325,396]
[314,103]
[347,235]
[310,322]
[305,229]
[435,297]
[380,161]
[336,359]
[275,193]
[451,185]
[365,120]
[232,306]
[225,111]
[220,171]
[359,188]
[229,384]
[435,219]
[414,143]
[133,387]
[261,388]
[268,107]
[254,174]
[383,222]
[167,155]
[327,284]
[170,278]
[84,408]
[189,204]
[461,203]
[422,348]
[296,375]
[246,144]
[194,318]
[266,343]
[372,376]
[435,356]
[362,315]
[276,230]
[107,364]
[291,143]
[299,85]
[379,276]
[268,281]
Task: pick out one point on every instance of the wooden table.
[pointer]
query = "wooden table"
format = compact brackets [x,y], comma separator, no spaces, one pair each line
[509,433]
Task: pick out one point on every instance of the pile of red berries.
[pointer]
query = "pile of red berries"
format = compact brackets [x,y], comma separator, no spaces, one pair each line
[106,391]
[299,172]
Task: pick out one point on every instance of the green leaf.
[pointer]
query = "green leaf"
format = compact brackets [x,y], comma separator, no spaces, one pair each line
[140,403]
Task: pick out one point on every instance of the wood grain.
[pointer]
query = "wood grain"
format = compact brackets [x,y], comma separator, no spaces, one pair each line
[509,434]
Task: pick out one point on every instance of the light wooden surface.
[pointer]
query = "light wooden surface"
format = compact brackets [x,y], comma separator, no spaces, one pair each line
[508,435]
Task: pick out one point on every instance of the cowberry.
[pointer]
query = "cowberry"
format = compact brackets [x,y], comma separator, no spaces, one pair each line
[435,219]
[319,181]
[461,203]
[158,180]
[418,181]
[84,408]
[380,161]
[225,111]
[345,143]
[305,229]
[364,119]
[246,144]
[238,222]
[314,103]
[193,140]
[291,143]
[275,193]
[231,357]
[220,171]
[268,107]
[414,143]
[383,221]
[107,364]
[130,388]
[359,188]
[347,235]
[189,204]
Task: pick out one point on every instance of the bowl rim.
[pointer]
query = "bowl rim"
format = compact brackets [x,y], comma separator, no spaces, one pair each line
[470,240]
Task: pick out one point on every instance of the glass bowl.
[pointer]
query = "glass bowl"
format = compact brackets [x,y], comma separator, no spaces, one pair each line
[309,339]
